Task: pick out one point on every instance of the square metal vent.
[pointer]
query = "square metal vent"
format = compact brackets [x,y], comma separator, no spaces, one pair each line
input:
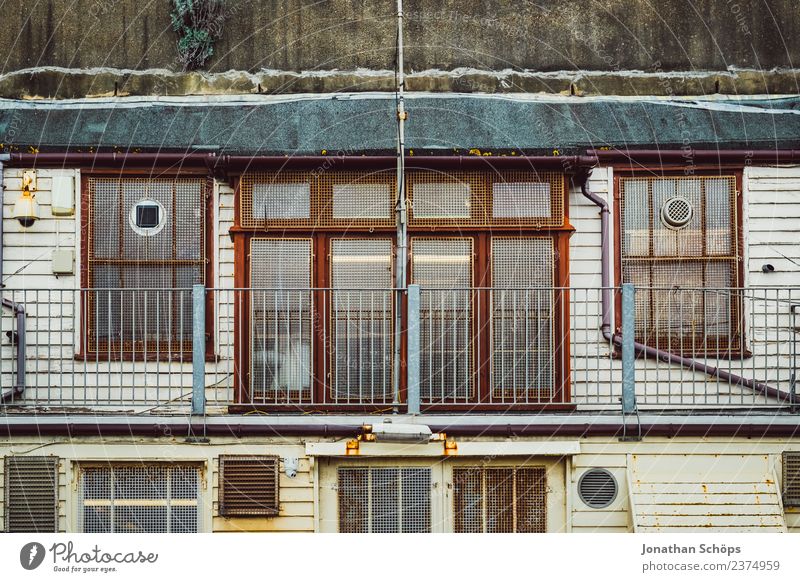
[248,485]
[791,478]
[31,494]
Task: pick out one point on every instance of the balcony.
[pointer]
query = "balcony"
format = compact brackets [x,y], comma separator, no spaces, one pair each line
[220,351]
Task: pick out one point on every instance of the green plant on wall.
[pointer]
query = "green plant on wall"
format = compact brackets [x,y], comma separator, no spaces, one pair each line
[198,24]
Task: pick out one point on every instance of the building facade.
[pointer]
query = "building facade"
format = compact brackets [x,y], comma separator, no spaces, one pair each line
[596,328]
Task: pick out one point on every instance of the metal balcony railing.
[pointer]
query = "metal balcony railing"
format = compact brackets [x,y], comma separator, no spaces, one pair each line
[462,350]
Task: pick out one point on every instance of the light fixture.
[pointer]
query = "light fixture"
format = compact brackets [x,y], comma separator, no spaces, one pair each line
[388,431]
[26,209]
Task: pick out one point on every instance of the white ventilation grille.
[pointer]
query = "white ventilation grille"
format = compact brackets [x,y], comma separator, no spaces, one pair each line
[31,494]
[443,269]
[359,201]
[500,499]
[384,499]
[361,275]
[281,335]
[139,499]
[442,200]
[597,488]
[677,212]
[523,351]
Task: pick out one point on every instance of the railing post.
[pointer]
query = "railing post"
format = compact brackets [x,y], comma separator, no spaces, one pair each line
[412,359]
[198,349]
[628,351]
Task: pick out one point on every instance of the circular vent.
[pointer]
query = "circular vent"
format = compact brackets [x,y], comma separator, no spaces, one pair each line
[597,488]
[677,212]
[147,217]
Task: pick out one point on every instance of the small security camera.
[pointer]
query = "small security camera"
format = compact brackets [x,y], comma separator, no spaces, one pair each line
[767,268]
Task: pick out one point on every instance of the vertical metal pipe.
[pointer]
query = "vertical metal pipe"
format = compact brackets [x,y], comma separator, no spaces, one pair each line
[628,349]
[400,209]
[3,159]
[198,349]
[412,364]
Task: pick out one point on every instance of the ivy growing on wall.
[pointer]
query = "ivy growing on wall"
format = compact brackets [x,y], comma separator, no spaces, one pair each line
[198,24]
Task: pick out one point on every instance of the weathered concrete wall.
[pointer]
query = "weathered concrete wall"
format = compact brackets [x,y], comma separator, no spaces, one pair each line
[541,35]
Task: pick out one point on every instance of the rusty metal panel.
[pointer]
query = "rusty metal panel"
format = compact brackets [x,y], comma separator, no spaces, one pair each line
[499,499]
[248,485]
[31,494]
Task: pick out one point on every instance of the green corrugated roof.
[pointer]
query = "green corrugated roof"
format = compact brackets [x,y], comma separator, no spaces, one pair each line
[366,123]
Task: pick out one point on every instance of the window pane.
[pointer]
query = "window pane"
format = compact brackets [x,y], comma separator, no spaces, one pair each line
[361,272]
[281,200]
[280,273]
[443,269]
[523,352]
[441,200]
[521,200]
[365,200]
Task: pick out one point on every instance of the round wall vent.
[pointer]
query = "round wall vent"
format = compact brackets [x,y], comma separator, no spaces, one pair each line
[147,217]
[597,488]
[677,212]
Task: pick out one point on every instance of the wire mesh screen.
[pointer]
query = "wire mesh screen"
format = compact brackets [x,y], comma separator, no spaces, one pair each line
[687,260]
[500,499]
[384,499]
[443,269]
[301,199]
[31,494]
[523,351]
[534,199]
[280,320]
[361,314]
[157,498]
[151,261]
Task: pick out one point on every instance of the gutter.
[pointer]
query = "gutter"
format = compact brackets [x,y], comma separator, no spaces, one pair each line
[541,426]
[642,349]
[690,157]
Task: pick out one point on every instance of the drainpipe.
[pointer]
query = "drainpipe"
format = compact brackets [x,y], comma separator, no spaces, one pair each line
[17,308]
[642,349]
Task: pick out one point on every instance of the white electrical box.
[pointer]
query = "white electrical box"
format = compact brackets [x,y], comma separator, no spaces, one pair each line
[63,195]
[63,262]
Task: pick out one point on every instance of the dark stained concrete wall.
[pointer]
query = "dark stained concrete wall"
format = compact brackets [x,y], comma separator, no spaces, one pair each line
[542,35]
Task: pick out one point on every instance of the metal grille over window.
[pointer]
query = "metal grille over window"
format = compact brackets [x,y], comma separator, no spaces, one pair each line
[500,499]
[678,238]
[294,199]
[146,240]
[156,498]
[384,500]
[443,269]
[791,478]
[534,199]
[361,314]
[31,494]
[281,334]
[523,351]
[248,485]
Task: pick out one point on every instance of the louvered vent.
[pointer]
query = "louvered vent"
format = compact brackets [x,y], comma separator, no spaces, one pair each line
[597,488]
[248,485]
[31,490]
[791,478]
[500,499]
